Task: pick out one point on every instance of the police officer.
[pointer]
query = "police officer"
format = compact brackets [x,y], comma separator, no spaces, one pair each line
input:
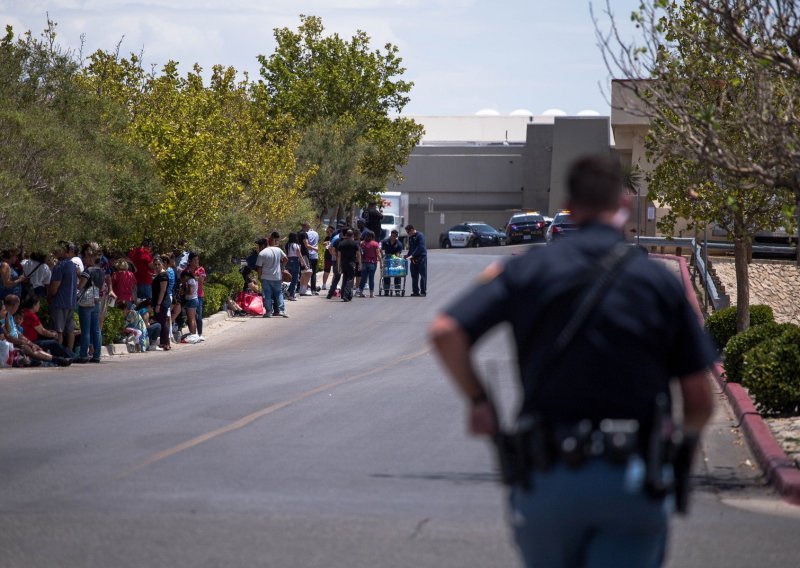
[586,507]
[418,254]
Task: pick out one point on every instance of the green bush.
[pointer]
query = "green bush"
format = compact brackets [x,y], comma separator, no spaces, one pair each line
[215,295]
[232,280]
[112,326]
[738,345]
[721,325]
[771,372]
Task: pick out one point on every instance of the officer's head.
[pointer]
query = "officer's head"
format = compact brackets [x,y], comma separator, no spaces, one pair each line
[594,186]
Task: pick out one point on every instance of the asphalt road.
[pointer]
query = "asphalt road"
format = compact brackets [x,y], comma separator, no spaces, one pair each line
[329,439]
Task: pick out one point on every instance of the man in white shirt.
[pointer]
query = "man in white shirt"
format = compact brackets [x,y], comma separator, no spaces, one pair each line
[310,241]
[270,262]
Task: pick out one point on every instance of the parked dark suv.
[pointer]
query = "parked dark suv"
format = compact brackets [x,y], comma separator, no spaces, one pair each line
[525,227]
[561,226]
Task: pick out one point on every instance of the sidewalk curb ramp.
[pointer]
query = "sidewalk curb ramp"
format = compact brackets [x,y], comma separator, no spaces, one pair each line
[780,470]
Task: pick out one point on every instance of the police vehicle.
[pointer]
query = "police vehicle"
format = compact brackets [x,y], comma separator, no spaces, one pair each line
[561,226]
[471,234]
[523,227]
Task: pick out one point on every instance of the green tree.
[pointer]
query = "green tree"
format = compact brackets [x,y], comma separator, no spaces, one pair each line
[753,44]
[341,93]
[739,205]
[65,172]
[697,101]
[215,156]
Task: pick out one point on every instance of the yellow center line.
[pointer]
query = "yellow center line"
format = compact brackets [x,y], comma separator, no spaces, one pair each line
[250,418]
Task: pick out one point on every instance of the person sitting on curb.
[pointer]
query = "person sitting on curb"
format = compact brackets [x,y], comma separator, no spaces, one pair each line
[145,309]
[134,328]
[19,341]
[33,329]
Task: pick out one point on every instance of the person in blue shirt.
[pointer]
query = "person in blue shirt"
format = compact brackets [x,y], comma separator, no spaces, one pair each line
[419,261]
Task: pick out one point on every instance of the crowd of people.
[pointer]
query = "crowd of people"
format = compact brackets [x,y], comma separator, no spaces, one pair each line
[161,296]
[352,256]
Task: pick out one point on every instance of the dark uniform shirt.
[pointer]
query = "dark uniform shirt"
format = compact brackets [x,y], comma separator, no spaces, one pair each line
[416,246]
[642,333]
[372,220]
[348,249]
[389,249]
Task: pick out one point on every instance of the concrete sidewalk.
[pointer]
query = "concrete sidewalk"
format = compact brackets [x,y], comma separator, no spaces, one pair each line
[780,470]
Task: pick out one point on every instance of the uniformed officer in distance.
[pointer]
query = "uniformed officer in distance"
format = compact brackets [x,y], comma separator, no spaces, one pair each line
[641,333]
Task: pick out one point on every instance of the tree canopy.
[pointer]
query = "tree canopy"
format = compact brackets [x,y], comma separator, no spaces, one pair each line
[341,93]
[101,148]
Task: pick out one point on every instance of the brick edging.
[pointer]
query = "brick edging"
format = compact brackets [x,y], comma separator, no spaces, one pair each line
[780,470]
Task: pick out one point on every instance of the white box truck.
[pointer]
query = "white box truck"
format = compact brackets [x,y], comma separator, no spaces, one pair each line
[394,206]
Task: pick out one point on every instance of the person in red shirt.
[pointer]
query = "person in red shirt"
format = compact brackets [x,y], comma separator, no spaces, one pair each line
[370,260]
[123,281]
[142,258]
[199,275]
[35,332]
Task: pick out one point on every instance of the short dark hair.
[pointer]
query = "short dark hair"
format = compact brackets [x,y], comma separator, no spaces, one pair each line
[595,183]
[409,227]
[275,235]
[349,233]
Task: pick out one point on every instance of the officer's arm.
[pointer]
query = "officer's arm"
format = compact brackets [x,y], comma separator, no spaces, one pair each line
[453,346]
[698,401]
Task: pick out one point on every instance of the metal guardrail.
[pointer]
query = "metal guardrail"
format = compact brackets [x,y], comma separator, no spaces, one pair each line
[700,255]
[717,300]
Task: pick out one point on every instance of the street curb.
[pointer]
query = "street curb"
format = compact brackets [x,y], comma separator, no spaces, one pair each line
[113,349]
[780,470]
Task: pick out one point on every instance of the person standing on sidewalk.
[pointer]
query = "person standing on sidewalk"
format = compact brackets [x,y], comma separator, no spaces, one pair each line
[328,259]
[596,357]
[418,255]
[337,237]
[372,219]
[349,259]
[309,239]
[141,258]
[270,263]
[371,259]
[62,295]
[392,246]
[199,275]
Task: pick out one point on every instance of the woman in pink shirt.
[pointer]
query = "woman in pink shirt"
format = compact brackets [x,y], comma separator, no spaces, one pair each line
[370,259]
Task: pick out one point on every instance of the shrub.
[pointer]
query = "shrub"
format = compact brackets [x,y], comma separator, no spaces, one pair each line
[739,344]
[771,372]
[721,325]
[112,326]
[232,280]
[215,295]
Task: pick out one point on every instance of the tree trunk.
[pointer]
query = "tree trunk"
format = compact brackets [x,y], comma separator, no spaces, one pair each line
[740,247]
[797,225]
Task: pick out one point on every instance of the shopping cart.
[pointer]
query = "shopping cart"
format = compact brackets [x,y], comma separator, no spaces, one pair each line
[393,276]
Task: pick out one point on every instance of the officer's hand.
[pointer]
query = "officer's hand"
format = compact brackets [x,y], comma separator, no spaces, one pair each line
[482,419]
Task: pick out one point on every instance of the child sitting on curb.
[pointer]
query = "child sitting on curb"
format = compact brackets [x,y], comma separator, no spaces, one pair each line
[135,328]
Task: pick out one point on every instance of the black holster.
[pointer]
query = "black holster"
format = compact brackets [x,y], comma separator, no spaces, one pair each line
[521,452]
